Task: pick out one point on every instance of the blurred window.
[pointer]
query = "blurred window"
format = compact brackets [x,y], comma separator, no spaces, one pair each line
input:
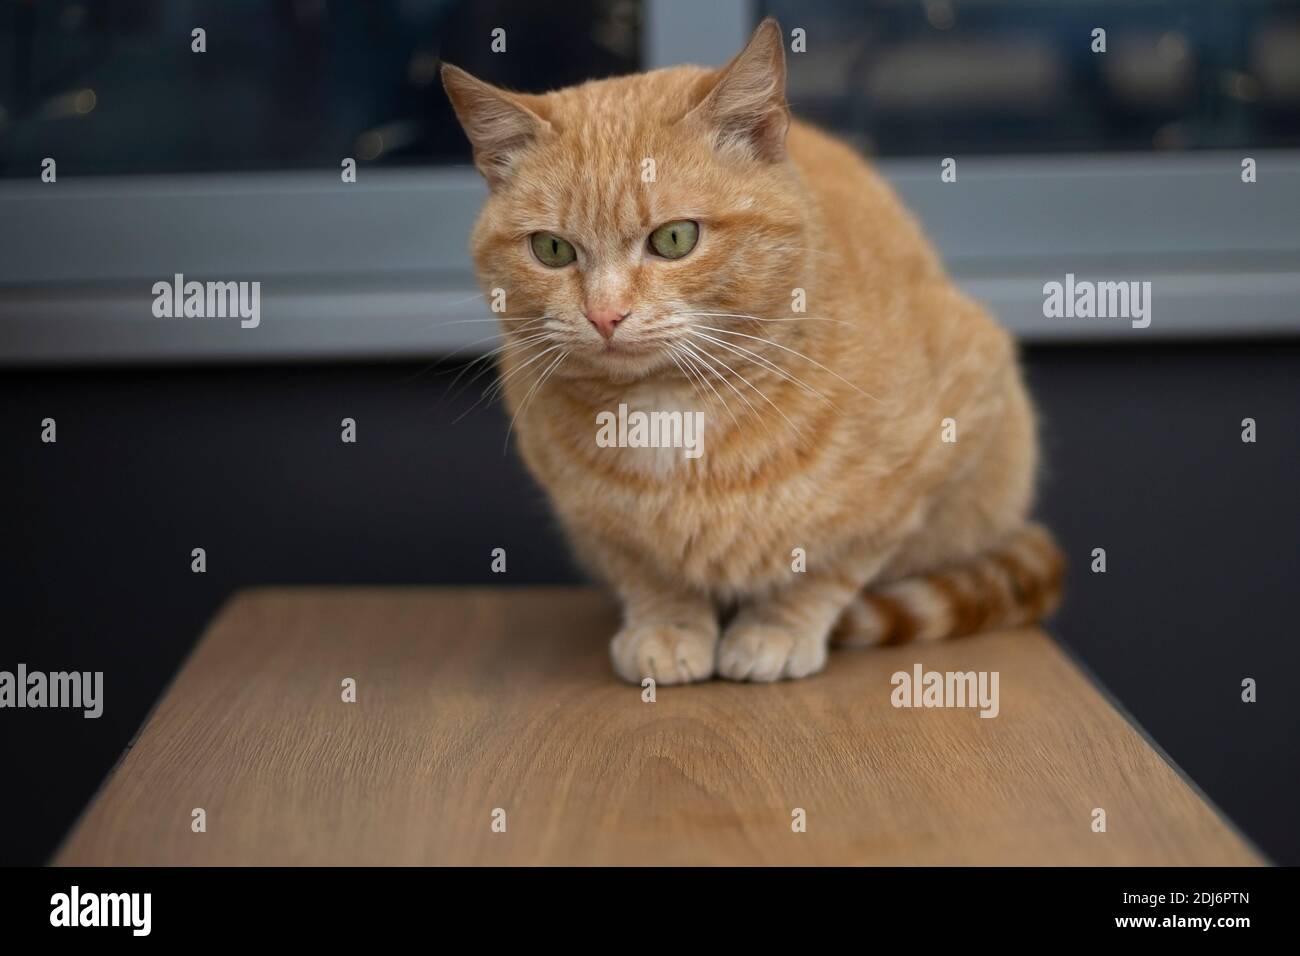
[1019,76]
[112,86]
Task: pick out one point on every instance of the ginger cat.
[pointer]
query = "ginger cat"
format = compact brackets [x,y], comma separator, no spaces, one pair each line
[867,463]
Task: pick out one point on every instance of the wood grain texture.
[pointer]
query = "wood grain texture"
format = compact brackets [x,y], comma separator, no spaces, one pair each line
[473,699]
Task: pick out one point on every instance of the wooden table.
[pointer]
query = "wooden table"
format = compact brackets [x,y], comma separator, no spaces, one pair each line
[470,701]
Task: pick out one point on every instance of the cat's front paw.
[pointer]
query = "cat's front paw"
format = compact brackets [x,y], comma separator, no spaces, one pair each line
[670,653]
[765,652]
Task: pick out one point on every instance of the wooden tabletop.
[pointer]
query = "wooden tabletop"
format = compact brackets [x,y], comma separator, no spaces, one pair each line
[475,705]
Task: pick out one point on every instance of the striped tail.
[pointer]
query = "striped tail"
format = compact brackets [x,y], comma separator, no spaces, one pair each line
[1012,585]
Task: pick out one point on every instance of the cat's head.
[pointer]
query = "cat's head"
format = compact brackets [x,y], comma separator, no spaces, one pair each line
[619,207]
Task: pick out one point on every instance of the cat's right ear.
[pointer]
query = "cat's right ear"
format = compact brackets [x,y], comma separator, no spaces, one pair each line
[497,122]
[746,105]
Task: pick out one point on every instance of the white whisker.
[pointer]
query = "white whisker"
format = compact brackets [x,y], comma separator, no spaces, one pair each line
[762,362]
[759,391]
[449,305]
[447,358]
[486,338]
[492,391]
[796,353]
[541,379]
[487,357]
[686,346]
[671,352]
[497,387]
[755,318]
[496,320]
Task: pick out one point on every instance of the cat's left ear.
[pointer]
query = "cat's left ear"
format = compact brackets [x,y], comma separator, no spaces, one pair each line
[500,125]
[747,103]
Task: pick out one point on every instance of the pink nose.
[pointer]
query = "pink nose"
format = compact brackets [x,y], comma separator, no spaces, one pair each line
[604,320]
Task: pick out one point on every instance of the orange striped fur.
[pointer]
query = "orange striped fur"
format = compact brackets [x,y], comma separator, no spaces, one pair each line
[1015,584]
[824,428]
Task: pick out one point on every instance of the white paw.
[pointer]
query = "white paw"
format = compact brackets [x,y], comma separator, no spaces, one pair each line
[670,653]
[762,652]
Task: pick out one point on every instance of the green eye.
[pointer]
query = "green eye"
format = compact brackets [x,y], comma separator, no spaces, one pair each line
[551,250]
[673,240]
